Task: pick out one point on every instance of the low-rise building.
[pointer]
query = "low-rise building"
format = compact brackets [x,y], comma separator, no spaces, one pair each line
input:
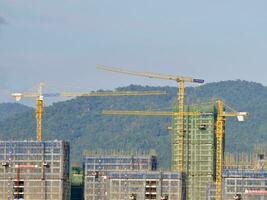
[249,184]
[122,177]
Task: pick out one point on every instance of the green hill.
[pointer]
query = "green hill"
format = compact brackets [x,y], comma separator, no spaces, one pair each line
[80,122]
[9,110]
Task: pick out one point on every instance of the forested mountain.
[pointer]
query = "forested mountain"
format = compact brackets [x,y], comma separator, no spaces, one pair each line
[80,121]
[9,110]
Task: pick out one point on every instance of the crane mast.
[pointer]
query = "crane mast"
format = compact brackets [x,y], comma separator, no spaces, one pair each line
[219,148]
[220,131]
[39,112]
[178,134]
[39,118]
[178,137]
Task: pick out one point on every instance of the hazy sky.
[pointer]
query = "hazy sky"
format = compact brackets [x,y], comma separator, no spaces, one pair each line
[61,41]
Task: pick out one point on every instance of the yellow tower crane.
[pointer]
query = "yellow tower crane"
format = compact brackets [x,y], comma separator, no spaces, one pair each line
[40,100]
[178,141]
[220,130]
[39,107]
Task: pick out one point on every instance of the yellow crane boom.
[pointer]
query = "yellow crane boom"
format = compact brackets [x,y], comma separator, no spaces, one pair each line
[149,113]
[113,93]
[40,100]
[178,142]
[147,74]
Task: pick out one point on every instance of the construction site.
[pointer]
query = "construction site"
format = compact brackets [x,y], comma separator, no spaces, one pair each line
[200,168]
[244,174]
[197,138]
[133,100]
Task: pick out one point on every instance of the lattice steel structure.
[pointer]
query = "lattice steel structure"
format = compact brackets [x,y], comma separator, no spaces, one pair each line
[199,149]
[32,170]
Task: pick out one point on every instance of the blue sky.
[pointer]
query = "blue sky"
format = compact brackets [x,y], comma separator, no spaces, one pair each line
[60,42]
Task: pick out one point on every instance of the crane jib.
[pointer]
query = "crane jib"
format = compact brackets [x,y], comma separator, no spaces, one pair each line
[51,94]
[198,80]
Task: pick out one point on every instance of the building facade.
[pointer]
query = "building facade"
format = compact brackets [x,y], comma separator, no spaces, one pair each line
[144,185]
[249,184]
[32,170]
[129,177]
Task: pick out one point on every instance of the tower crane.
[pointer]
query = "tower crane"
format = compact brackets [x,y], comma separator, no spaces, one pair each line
[164,114]
[178,141]
[40,100]
[220,131]
[39,106]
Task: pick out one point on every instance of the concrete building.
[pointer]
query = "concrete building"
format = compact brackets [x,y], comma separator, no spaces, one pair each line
[105,162]
[144,185]
[34,170]
[245,175]
[120,177]
[249,184]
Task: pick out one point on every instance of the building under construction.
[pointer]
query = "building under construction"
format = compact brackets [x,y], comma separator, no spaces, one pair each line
[248,184]
[194,147]
[198,151]
[245,174]
[117,177]
[144,185]
[34,170]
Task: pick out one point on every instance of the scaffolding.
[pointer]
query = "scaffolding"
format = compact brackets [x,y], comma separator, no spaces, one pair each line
[199,149]
[34,170]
